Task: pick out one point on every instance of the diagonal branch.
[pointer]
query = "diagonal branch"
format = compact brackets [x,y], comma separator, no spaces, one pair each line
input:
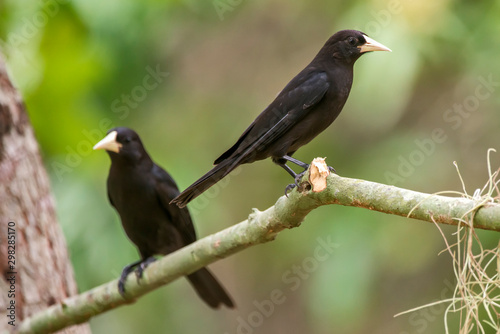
[262,227]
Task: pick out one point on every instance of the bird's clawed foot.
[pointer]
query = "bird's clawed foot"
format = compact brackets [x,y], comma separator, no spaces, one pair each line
[332,170]
[300,186]
[290,187]
[140,266]
[123,277]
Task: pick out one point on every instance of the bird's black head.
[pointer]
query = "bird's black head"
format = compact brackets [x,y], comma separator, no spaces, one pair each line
[348,45]
[122,143]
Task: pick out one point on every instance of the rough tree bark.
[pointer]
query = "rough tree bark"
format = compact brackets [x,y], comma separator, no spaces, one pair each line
[41,273]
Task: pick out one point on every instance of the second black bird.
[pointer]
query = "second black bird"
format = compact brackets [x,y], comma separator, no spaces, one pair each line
[141,191]
[303,109]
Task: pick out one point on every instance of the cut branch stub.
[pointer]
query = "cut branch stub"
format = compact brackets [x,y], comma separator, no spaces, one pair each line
[318,172]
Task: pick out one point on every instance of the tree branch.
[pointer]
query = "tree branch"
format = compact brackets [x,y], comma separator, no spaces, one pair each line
[259,228]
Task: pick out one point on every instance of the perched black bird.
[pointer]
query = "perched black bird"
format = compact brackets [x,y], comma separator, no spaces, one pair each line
[301,111]
[141,191]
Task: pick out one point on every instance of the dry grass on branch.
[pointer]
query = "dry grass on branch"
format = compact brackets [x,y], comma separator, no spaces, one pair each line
[476,298]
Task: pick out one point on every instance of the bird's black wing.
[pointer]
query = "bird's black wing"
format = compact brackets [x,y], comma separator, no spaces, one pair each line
[291,105]
[166,190]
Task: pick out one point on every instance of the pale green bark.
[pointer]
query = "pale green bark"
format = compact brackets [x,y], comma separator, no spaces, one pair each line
[262,227]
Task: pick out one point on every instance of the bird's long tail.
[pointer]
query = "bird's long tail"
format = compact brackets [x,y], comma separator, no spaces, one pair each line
[205,182]
[209,289]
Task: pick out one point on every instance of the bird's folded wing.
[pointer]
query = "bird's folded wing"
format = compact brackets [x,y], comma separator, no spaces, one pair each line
[289,107]
[166,190]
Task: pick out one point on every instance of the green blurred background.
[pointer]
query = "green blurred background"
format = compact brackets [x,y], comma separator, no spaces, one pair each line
[85,65]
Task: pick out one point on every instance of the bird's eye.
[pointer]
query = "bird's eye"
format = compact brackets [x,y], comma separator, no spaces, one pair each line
[128,139]
[352,41]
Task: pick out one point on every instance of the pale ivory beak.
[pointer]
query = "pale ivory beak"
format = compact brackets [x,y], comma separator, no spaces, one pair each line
[372,45]
[109,143]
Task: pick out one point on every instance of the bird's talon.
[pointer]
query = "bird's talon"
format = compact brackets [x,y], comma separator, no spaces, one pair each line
[142,266]
[331,169]
[121,287]
[289,188]
[123,277]
[139,272]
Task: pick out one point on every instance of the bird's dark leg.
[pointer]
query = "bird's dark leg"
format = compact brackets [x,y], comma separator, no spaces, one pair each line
[126,270]
[288,169]
[303,164]
[295,161]
[297,177]
[282,162]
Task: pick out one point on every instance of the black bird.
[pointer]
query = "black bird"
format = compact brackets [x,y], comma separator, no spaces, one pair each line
[140,191]
[301,111]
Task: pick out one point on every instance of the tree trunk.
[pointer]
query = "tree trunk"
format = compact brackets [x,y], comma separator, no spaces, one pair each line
[35,267]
